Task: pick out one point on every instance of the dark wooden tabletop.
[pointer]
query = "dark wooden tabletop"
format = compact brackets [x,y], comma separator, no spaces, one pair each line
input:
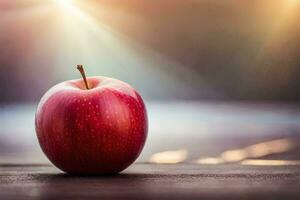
[152,181]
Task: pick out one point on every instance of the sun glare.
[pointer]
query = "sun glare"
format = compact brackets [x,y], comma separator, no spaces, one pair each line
[64,3]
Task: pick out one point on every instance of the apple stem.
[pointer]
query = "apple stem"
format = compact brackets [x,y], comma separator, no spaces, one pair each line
[81,70]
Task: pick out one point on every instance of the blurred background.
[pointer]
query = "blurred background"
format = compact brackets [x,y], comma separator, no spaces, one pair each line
[218,76]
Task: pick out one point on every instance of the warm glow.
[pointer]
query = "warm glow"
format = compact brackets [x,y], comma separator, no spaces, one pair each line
[270,162]
[252,151]
[210,161]
[258,150]
[234,155]
[271,147]
[69,8]
[281,26]
[169,157]
[64,3]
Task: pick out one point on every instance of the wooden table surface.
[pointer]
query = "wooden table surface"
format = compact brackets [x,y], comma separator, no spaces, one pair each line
[152,181]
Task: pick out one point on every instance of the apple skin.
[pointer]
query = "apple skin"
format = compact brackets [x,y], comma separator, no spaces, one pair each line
[101,130]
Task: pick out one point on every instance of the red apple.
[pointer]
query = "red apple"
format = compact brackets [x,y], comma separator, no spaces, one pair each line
[95,125]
